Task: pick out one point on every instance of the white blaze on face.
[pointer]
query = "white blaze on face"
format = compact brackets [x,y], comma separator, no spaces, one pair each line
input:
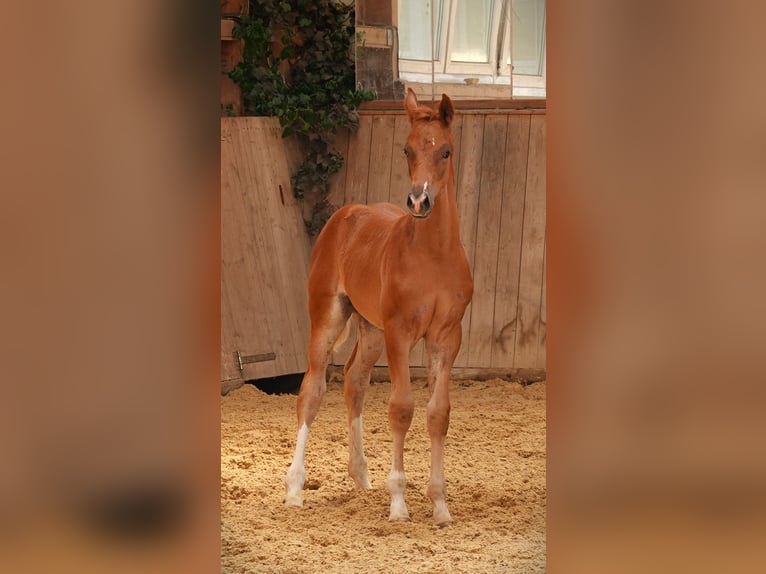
[425,187]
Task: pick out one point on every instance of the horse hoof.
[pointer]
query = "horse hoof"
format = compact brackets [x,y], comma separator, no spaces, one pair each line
[363,485]
[294,501]
[442,519]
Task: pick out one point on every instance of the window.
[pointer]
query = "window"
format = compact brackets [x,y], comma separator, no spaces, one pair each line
[485,42]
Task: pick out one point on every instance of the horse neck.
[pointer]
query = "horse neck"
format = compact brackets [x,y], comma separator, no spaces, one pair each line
[440,230]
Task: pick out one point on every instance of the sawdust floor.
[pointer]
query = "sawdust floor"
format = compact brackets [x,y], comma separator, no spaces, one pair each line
[495,470]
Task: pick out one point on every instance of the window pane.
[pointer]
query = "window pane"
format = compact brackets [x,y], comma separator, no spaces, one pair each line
[528,35]
[414,29]
[472,31]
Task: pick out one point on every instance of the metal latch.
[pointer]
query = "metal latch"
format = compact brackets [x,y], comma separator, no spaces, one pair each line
[243,360]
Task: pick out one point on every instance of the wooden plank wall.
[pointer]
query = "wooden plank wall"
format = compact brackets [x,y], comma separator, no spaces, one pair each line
[500,175]
[264,253]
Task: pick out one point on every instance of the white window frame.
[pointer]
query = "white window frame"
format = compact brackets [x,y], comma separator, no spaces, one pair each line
[525,84]
[473,68]
[445,70]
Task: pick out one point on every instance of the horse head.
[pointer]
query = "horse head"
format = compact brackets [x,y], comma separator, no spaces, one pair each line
[429,152]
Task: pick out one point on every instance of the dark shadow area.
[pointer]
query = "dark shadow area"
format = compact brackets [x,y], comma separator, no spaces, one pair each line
[143,512]
[282,385]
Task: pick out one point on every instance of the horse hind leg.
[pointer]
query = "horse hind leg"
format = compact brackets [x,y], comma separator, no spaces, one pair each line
[327,322]
[369,346]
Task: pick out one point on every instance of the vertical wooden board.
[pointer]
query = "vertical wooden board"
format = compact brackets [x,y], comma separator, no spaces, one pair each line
[359,161]
[381,152]
[487,238]
[532,245]
[541,349]
[255,153]
[243,325]
[468,174]
[291,242]
[400,176]
[509,253]
[230,259]
[337,184]
[457,132]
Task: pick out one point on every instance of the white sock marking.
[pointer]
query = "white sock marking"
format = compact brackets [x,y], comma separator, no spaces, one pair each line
[296,474]
[357,466]
[397,483]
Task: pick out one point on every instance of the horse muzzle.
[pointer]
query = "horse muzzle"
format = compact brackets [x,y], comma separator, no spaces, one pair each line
[420,203]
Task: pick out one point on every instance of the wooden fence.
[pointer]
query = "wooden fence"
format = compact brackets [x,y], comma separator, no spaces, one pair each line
[500,175]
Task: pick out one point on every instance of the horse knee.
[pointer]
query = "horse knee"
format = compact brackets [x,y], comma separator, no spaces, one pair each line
[309,399]
[437,417]
[400,412]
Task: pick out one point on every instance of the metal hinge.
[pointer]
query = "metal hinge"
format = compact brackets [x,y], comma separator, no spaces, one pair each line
[243,360]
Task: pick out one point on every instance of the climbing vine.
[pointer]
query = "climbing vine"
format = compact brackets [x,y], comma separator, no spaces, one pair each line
[298,66]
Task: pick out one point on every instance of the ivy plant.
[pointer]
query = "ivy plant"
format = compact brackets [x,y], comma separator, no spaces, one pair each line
[298,66]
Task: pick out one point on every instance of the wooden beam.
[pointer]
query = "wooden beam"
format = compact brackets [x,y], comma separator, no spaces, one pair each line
[227,29]
[464,106]
[375,36]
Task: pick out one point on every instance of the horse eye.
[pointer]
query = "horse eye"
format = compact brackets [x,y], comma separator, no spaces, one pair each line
[406,153]
[445,155]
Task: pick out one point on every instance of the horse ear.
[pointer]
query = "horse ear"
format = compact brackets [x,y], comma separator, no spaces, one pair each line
[411,104]
[446,110]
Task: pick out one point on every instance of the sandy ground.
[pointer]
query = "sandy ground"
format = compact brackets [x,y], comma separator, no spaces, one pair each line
[495,470]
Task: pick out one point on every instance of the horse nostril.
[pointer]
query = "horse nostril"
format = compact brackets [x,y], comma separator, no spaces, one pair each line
[426,203]
[410,203]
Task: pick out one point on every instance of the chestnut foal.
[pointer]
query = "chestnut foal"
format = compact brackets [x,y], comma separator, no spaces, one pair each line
[403,276]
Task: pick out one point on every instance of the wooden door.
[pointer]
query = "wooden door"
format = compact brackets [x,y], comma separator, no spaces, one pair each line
[264,256]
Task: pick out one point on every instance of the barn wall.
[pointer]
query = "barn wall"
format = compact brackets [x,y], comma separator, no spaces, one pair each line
[500,175]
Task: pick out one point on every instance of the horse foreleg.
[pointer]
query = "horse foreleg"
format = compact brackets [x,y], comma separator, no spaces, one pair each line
[324,332]
[441,355]
[400,410]
[368,348]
